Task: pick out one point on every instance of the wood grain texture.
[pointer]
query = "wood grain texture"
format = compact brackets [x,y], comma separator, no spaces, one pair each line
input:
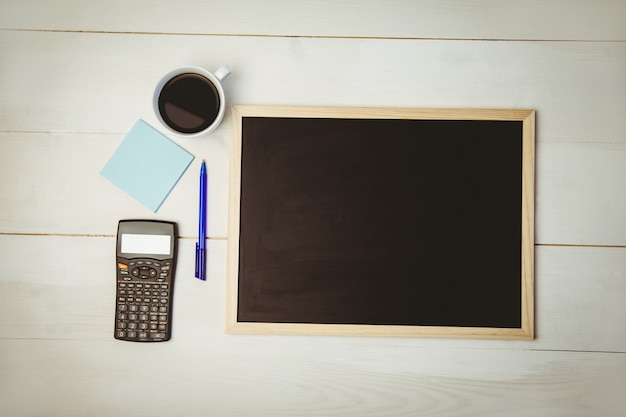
[528,224]
[74,298]
[442,19]
[75,76]
[327,378]
[53,186]
[579,89]
[578,198]
[322,112]
[579,188]
[578,300]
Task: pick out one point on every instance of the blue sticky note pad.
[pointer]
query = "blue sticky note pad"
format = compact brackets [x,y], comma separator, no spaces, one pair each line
[147,165]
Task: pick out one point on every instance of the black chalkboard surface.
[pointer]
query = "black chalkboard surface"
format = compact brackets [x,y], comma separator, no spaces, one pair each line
[402,222]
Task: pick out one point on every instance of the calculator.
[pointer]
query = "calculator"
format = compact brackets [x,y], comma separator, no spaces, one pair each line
[145,268]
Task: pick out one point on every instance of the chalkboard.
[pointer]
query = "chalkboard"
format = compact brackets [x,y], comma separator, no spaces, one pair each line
[383,222]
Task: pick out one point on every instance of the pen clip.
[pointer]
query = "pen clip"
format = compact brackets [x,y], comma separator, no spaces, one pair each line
[200,262]
[197,274]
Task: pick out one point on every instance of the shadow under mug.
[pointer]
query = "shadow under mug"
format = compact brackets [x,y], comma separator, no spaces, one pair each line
[190,102]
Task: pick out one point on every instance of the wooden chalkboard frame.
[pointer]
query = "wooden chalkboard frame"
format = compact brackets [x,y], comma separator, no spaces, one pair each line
[524,332]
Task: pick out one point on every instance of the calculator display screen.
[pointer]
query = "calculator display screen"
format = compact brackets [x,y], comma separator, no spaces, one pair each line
[146,244]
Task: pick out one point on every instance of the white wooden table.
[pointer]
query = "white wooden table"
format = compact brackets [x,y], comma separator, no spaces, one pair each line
[75,76]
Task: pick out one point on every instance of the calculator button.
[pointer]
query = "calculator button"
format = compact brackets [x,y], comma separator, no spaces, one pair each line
[143,296]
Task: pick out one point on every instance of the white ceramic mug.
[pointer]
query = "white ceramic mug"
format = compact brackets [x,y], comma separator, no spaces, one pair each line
[190,101]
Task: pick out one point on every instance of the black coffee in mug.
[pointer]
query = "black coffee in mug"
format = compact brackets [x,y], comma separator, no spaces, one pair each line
[189,103]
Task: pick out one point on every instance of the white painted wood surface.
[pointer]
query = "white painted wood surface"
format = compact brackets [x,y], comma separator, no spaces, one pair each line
[74,76]
[445,19]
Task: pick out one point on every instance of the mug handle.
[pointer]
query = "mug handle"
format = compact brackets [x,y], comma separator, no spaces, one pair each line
[222,73]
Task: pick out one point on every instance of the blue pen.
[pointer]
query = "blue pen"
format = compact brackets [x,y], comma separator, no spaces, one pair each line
[201,245]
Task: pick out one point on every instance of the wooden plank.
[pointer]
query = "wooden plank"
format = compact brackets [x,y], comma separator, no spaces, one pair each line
[52,185]
[305,379]
[55,330]
[117,74]
[449,19]
[70,294]
[579,200]
[572,282]
[579,297]
[580,105]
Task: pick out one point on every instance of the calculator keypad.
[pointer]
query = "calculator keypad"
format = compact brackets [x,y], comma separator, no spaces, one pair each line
[143,301]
